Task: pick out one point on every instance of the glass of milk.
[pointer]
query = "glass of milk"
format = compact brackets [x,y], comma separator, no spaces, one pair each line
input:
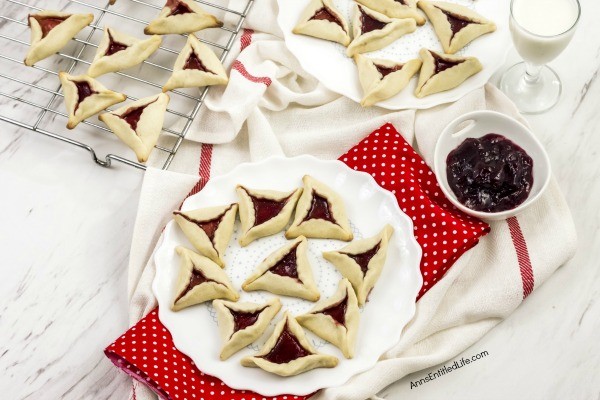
[540,29]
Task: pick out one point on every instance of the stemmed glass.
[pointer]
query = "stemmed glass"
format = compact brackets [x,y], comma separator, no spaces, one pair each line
[541,30]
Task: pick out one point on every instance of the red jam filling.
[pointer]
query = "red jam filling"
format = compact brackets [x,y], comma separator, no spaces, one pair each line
[442,64]
[287,266]
[242,320]
[114,46]
[401,2]
[337,311]
[385,71]
[287,348]
[196,279]
[266,209]
[132,115]
[326,15]
[177,7]
[319,209]
[84,90]
[48,23]
[194,62]
[363,259]
[457,22]
[490,174]
[369,23]
[209,226]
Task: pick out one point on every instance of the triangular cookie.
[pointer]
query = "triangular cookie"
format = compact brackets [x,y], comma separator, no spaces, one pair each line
[374,31]
[336,319]
[242,323]
[181,16]
[320,213]
[442,72]
[200,280]
[455,25]
[362,261]
[51,31]
[139,124]
[382,79]
[288,352]
[85,96]
[286,272]
[208,229]
[196,66]
[264,212]
[322,20]
[396,8]
[118,51]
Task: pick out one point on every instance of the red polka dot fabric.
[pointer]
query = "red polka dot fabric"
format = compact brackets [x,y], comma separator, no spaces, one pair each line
[146,351]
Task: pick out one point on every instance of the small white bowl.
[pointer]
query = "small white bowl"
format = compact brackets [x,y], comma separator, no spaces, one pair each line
[477,124]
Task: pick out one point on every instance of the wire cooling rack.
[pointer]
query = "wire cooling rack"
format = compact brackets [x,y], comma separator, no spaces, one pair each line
[34,98]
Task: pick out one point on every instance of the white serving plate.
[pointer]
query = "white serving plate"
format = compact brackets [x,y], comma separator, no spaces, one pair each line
[327,61]
[390,307]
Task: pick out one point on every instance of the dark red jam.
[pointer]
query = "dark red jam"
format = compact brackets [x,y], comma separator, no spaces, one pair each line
[287,266]
[114,46]
[242,320]
[48,23]
[287,348]
[84,90]
[132,115]
[337,311]
[401,2]
[363,259]
[319,209]
[266,209]
[490,174]
[178,7]
[385,71]
[209,226]
[196,279]
[442,64]
[194,62]
[369,23]
[326,15]
[456,21]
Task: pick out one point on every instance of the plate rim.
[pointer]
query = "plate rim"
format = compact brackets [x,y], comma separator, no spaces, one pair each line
[411,241]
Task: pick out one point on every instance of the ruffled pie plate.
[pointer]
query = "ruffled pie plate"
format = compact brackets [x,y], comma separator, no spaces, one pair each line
[391,304]
[340,75]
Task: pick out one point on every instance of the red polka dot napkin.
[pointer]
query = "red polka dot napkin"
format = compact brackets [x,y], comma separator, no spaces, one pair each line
[146,351]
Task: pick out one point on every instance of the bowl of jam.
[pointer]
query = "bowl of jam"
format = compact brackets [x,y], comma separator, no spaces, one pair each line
[490,165]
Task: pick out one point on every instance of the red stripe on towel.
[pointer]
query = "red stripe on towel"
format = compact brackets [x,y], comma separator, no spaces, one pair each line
[246,38]
[522,255]
[239,67]
[203,170]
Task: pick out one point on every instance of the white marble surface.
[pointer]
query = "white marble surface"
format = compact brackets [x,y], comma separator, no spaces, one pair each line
[66,227]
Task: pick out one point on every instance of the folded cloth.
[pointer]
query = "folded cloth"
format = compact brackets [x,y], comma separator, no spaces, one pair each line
[146,351]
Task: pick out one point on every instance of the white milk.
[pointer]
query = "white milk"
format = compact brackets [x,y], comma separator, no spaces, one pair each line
[538,28]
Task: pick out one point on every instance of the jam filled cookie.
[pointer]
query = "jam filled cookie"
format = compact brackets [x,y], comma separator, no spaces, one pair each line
[196,66]
[200,280]
[286,272]
[288,352]
[374,31]
[441,72]
[181,16]
[139,124]
[118,51]
[382,79]
[208,229]
[396,8]
[51,31]
[85,96]
[240,324]
[322,20]
[336,319]
[362,261]
[455,25]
